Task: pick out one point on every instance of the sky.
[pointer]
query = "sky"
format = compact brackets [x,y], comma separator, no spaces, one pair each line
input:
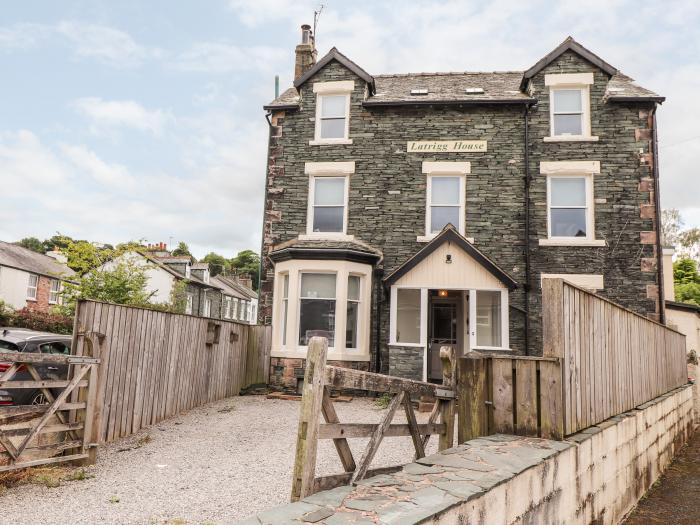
[136,120]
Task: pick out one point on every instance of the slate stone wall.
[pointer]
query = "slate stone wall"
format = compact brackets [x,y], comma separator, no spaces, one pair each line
[406,361]
[495,191]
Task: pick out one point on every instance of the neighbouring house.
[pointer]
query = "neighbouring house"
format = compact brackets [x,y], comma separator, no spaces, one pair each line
[404,212]
[30,279]
[207,296]
[240,301]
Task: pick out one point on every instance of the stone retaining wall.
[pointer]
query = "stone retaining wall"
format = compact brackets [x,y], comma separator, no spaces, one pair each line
[595,476]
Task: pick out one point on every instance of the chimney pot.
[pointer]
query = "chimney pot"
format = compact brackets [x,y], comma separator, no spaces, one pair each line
[305,52]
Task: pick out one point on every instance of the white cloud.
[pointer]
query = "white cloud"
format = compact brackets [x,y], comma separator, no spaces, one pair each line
[96,168]
[105,44]
[127,113]
[25,163]
[22,36]
[258,12]
[223,57]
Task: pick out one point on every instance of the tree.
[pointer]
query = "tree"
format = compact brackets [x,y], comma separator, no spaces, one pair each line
[124,282]
[217,263]
[84,256]
[247,262]
[181,250]
[686,242]
[671,223]
[686,281]
[59,241]
[31,243]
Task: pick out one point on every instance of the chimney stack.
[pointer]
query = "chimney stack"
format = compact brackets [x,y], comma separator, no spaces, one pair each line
[305,52]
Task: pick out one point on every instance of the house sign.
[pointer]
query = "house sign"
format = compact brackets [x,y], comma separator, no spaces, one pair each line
[446,146]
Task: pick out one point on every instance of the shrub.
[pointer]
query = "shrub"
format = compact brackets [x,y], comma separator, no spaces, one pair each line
[42,321]
[6,314]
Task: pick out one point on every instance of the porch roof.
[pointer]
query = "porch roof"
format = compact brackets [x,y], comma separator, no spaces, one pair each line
[450,234]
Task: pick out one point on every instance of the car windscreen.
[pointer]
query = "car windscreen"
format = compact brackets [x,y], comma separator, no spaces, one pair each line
[6,346]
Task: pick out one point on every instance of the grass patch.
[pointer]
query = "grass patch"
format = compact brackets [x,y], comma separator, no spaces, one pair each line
[51,477]
[383,400]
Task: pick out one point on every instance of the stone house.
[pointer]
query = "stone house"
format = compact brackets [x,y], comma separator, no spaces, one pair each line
[31,280]
[405,212]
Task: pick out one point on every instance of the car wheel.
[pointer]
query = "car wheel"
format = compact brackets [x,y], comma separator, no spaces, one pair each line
[38,399]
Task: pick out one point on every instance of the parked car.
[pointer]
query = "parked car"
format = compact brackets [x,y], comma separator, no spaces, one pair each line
[31,341]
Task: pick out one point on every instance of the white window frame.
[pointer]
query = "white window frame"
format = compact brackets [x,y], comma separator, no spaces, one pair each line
[227,309]
[206,307]
[474,321]
[577,169]
[445,169]
[336,88]
[189,303]
[342,270]
[32,289]
[569,81]
[328,169]
[55,293]
[235,309]
[360,299]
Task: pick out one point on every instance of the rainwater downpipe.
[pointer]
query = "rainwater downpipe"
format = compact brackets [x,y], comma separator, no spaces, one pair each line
[526,117]
[657,218]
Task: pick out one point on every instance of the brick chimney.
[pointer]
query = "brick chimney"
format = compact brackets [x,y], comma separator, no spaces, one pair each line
[305,52]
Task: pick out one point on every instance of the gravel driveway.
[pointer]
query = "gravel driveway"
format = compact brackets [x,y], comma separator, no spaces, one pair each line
[214,465]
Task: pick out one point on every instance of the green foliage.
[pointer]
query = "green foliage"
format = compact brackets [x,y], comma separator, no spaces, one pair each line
[178,298]
[247,262]
[6,313]
[55,321]
[32,243]
[59,241]
[217,263]
[383,400]
[123,282]
[686,281]
[181,250]
[84,256]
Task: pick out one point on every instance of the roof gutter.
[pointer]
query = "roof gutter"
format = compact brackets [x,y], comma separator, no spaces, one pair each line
[460,102]
[658,100]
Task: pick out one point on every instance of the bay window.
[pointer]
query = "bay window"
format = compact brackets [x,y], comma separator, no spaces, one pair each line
[317,307]
[322,298]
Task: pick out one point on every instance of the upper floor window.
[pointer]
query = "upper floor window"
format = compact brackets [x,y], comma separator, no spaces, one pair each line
[570,210]
[327,200]
[32,286]
[54,291]
[569,106]
[227,309]
[445,196]
[332,112]
[235,309]
[188,304]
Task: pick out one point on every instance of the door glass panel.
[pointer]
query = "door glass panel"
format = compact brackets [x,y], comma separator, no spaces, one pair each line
[407,316]
[444,323]
[488,318]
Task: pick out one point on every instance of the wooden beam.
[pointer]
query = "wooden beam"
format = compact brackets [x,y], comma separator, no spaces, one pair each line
[45,461]
[447,408]
[29,357]
[364,430]
[8,445]
[434,415]
[471,398]
[341,444]
[376,439]
[339,377]
[413,427]
[44,383]
[309,414]
[9,373]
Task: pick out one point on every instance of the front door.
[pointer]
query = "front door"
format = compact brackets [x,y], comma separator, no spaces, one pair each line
[444,331]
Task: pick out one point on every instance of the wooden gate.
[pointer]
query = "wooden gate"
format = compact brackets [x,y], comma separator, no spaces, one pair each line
[62,430]
[319,378]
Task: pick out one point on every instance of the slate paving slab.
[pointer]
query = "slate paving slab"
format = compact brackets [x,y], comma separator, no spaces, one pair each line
[421,489]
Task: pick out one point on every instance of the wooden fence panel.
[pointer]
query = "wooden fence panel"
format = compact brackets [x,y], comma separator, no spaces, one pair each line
[157,364]
[613,358]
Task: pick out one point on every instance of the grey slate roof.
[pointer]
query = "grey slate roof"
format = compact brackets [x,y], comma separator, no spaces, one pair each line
[326,244]
[23,259]
[241,288]
[227,287]
[622,88]
[499,86]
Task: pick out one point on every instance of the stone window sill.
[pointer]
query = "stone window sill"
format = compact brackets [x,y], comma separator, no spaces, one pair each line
[326,237]
[572,138]
[567,242]
[329,142]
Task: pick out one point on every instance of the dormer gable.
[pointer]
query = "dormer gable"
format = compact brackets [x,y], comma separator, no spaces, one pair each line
[335,55]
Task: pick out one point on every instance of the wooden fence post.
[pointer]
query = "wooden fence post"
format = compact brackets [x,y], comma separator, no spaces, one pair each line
[471,398]
[92,415]
[447,408]
[309,414]
[552,318]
